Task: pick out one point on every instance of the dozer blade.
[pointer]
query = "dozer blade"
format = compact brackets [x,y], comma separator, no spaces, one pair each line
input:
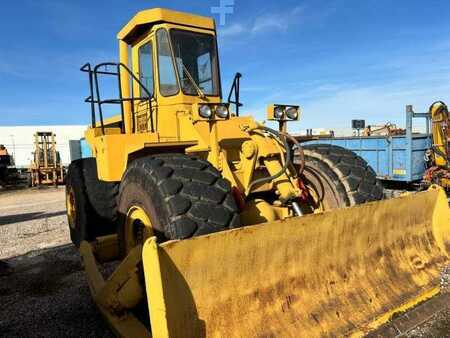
[340,273]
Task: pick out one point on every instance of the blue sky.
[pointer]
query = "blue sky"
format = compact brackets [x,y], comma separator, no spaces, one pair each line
[338,59]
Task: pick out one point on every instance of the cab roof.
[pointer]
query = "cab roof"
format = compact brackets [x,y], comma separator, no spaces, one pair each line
[142,20]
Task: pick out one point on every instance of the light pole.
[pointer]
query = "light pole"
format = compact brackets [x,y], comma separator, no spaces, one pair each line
[14,147]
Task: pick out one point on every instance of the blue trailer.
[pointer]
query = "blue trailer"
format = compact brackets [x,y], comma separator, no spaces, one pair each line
[394,158]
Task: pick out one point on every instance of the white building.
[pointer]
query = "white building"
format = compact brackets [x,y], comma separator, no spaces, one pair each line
[19,140]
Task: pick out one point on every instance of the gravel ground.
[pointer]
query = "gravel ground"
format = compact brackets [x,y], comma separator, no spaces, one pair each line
[47,295]
[439,324]
[30,220]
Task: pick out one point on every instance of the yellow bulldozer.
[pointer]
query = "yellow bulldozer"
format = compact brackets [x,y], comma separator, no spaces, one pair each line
[216,226]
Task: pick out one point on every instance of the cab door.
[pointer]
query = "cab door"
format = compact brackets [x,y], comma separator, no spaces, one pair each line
[144,117]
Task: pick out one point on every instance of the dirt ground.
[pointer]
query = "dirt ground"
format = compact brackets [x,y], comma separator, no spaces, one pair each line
[47,295]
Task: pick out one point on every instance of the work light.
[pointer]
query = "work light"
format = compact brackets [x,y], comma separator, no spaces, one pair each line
[222,111]
[205,111]
[292,113]
[278,112]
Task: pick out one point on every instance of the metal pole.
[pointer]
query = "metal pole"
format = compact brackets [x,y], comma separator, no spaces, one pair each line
[14,146]
[125,85]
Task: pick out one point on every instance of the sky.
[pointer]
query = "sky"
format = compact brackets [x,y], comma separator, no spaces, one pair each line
[338,59]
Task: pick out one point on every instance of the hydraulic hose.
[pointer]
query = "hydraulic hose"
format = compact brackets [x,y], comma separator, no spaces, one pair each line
[300,149]
[287,161]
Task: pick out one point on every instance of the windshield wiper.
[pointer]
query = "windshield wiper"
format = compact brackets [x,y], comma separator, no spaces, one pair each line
[197,88]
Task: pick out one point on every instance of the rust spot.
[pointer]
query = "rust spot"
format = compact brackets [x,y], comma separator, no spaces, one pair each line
[290,299]
[447,246]
[315,317]
[379,253]
[267,335]
[417,262]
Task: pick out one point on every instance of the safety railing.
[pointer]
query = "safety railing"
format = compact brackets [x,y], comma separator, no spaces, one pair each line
[236,88]
[95,99]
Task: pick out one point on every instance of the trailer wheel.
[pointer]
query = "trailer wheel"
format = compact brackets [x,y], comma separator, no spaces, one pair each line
[336,177]
[86,220]
[173,196]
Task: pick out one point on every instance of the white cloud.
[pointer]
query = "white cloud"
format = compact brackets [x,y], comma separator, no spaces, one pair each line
[267,22]
[276,21]
[376,104]
[231,30]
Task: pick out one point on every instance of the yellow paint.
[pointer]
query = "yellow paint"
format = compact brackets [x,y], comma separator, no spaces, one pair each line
[155,286]
[338,273]
[136,217]
[400,172]
[343,272]
[445,183]
[441,132]
[124,323]
[150,16]
[70,206]
[177,121]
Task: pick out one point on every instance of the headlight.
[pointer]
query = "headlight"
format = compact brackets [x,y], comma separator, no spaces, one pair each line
[222,111]
[278,113]
[205,111]
[292,113]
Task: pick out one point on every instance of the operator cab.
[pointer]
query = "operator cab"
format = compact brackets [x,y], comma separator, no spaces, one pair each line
[169,68]
[168,63]
[174,55]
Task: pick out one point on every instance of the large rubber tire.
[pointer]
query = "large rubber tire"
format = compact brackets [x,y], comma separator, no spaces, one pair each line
[339,177]
[102,195]
[87,221]
[183,197]
[79,211]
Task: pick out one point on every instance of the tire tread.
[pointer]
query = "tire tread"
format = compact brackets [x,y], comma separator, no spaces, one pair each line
[358,178]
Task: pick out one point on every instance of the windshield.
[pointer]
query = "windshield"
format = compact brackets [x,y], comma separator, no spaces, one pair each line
[196,60]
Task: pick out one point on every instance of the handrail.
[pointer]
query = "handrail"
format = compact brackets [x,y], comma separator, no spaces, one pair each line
[95,98]
[236,87]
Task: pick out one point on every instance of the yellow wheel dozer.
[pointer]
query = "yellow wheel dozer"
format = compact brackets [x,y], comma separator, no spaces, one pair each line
[219,226]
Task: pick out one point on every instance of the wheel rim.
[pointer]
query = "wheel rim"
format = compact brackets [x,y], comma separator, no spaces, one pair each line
[71,207]
[322,196]
[138,227]
[317,205]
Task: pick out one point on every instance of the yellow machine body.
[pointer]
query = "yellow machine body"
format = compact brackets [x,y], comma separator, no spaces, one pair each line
[340,273]
[173,115]
[440,119]
[233,144]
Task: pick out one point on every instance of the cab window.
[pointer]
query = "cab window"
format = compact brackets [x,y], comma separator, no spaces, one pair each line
[196,60]
[168,85]
[146,69]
